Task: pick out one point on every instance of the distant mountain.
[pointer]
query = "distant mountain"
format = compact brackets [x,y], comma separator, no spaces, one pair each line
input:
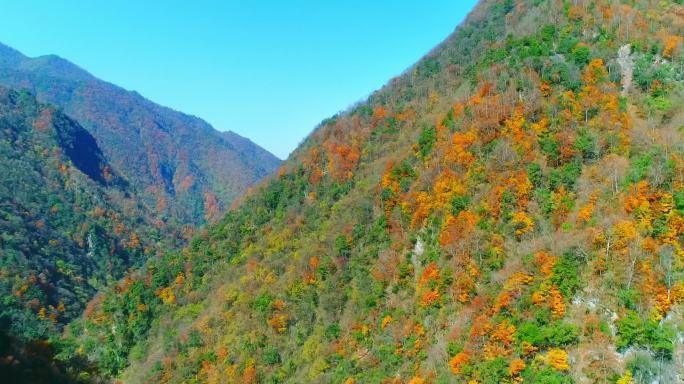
[184,168]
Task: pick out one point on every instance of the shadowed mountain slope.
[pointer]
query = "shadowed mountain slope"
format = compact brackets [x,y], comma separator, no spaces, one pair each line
[68,223]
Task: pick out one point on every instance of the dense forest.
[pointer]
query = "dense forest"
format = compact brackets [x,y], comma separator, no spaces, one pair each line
[510,209]
[69,224]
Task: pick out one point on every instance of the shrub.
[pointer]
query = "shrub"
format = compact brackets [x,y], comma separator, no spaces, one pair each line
[634,331]
[428,67]
[459,203]
[565,274]
[427,139]
[581,54]
[262,302]
[494,371]
[556,334]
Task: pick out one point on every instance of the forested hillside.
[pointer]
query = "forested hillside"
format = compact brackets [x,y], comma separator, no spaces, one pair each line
[182,167]
[510,209]
[68,223]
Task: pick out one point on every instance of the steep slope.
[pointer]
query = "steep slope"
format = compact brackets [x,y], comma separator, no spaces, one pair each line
[186,169]
[510,209]
[68,223]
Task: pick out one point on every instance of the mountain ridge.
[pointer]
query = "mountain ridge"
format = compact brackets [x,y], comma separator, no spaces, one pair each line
[175,158]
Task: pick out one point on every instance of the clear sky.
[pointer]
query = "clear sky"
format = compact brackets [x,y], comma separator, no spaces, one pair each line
[269,70]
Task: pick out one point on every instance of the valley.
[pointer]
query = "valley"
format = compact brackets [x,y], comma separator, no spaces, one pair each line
[509,209]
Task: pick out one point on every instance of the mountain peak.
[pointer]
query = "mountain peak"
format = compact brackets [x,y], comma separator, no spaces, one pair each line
[10,55]
[57,67]
[50,65]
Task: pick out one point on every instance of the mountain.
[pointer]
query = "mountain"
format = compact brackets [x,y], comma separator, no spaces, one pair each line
[510,209]
[182,167]
[69,226]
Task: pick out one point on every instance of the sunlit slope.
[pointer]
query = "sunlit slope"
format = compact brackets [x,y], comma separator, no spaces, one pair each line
[507,210]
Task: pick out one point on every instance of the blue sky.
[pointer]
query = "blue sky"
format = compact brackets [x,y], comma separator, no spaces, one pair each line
[268,70]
